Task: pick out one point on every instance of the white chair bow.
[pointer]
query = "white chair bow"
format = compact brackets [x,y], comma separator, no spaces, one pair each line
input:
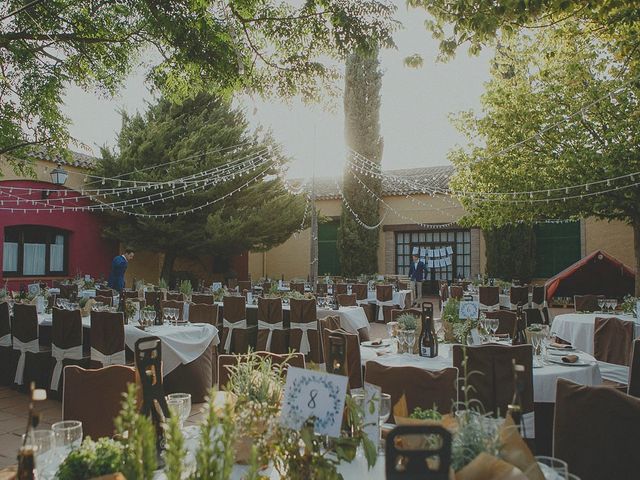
[305,346]
[5,340]
[117,358]
[73,353]
[31,346]
[381,305]
[262,325]
[240,324]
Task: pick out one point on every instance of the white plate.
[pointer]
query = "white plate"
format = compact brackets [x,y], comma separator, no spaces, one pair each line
[579,363]
[571,349]
[369,343]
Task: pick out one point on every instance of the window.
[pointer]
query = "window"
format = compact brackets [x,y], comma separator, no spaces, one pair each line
[557,247]
[32,251]
[458,240]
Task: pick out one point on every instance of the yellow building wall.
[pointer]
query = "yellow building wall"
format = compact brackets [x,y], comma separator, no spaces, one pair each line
[42,172]
[615,238]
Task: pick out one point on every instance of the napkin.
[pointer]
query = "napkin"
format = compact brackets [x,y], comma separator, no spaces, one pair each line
[501,335]
[560,345]
[377,341]
[401,417]
[570,358]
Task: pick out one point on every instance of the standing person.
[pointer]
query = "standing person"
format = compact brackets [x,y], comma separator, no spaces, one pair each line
[118,268]
[416,275]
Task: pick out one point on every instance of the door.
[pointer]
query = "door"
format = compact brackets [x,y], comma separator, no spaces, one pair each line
[328,263]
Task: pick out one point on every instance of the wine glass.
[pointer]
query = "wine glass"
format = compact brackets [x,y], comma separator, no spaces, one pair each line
[614,305]
[494,323]
[411,340]
[401,336]
[151,316]
[180,405]
[67,436]
[535,342]
[601,302]
[42,443]
[165,315]
[384,412]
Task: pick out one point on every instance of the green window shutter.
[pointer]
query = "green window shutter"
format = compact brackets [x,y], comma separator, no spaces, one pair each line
[328,262]
[557,247]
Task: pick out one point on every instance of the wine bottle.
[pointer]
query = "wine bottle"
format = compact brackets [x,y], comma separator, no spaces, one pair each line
[428,339]
[519,337]
[26,464]
[514,409]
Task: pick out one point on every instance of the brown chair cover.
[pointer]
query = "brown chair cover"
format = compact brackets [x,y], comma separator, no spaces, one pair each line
[347,300]
[384,293]
[634,371]
[95,396]
[153,299]
[68,291]
[270,311]
[202,298]
[24,327]
[244,285]
[173,304]
[519,295]
[104,292]
[489,297]
[234,310]
[304,311]
[585,303]
[266,287]
[612,339]
[537,296]
[225,361]
[195,377]
[203,313]
[106,300]
[127,294]
[321,289]
[360,290]
[354,362]
[425,389]
[597,431]
[507,320]
[107,334]
[534,315]
[176,296]
[7,373]
[489,372]
[66,332]
[340,289]
[456,291]
[297,287]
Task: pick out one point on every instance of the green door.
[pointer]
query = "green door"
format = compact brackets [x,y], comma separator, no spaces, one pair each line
[557,247]
[328,262]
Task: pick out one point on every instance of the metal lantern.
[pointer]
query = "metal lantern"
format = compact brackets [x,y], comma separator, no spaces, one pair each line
[59,175]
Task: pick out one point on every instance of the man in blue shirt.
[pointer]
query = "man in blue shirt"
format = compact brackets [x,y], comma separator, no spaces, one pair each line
[118,269]
[416,275]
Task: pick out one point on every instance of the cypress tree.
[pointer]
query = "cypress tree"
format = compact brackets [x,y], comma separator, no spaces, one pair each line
[357,245]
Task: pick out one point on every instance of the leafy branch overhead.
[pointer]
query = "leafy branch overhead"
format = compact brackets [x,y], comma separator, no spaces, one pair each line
[270,47]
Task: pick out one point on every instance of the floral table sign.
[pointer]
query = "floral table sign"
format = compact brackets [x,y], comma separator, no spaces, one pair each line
[468,309]
[314,394]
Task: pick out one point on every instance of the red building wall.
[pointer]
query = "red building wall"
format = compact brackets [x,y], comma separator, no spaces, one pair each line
[88,252]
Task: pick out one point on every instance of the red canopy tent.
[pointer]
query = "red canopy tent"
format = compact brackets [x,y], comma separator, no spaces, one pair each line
[598,273]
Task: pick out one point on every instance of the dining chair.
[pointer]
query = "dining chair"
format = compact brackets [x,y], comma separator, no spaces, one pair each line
[7,373]
[585,303]
[237,335]
[489,298]
[352,348]
[634,370]
[105,300]
[202,298]
[32,361]
[107,339]
[612,345]
[272,334]
[534,316]
[225,361]
[244,285]
[361,291]
[456,291]
[489,373]
[596,431]
[347,300]
[427,389]
[321,289]
[384,301]
[340,289]
[175,296]
[129,294]
[173,304]
[507,321]
[66,345]
[538,299]
[297,287]
[104,292]
[68,291]
[519,295]
[203,313]
[94,397]
[303,334]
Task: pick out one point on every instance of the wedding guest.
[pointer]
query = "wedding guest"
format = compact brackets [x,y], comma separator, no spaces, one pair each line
[416,275]
[118,269]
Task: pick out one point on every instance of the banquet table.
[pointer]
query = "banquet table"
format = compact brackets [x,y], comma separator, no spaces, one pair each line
[578,328]
[404,298]
[505,299]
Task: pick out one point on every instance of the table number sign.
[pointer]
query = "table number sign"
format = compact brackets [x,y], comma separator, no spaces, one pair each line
[215,286]
[314,394]
[34,289]
[468,309]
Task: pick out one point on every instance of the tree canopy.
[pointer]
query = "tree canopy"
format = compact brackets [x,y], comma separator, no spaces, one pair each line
[358,245]
[174,141]
[264,46]
[558,112]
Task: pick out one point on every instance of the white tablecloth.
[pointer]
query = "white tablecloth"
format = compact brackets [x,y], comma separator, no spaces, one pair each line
[505,299]
[44,319]
[352,319]
[544,378]
[180,344]
[578,328]
[399,297]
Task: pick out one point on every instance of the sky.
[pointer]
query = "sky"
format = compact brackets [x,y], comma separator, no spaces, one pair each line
[414,115]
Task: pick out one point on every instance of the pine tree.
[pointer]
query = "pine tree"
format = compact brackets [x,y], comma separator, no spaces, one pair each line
[206,132]
[357,245]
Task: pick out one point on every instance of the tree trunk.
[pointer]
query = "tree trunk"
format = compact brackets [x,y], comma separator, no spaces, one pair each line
[167,266]
[636,250]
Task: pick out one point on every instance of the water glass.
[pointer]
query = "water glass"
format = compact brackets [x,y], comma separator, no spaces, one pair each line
[184,401]
[555,465]
[67,435]
[411,340]
[42,443]
[383,414]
